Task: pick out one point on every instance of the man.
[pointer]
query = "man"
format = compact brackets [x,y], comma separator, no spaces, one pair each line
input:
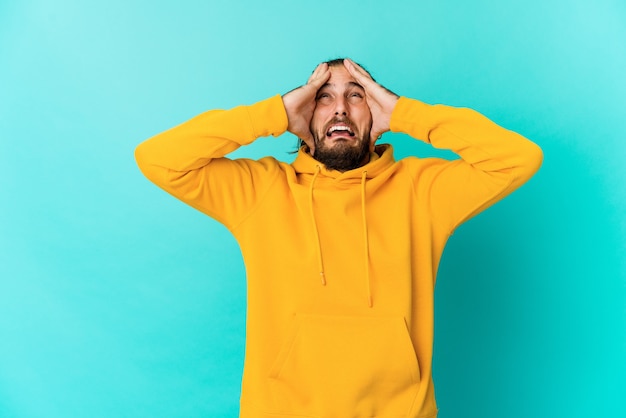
[341,246]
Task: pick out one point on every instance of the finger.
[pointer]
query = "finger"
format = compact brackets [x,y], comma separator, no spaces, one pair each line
[320,70]
[314,73]
[357,71]
[319,80]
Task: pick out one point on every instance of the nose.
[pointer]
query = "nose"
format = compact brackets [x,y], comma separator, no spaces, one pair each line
[341,106]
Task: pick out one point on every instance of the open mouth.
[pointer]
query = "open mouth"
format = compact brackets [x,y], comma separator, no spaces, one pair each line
[339,129]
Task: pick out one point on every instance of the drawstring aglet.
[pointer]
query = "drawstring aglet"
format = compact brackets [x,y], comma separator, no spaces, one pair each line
[323,278]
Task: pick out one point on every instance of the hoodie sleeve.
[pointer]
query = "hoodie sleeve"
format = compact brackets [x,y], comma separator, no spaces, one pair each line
[494,161]
[188,160]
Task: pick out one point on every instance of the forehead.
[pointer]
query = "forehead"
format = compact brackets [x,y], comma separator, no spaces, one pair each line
[340,78]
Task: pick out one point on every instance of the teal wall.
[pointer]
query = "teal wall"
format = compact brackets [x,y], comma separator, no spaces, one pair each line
[118,301]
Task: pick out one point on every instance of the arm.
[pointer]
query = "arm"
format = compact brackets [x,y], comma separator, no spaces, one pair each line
[187,160]
[494,161]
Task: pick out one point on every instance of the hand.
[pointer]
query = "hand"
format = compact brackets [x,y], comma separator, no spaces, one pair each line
[380,100]
[300,104]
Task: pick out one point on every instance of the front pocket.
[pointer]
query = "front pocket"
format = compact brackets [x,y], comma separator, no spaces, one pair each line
[345,366]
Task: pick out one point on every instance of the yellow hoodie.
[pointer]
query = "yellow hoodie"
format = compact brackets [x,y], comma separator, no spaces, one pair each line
[340,266]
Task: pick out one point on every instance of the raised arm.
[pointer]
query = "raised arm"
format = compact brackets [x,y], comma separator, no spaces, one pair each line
[188,160]
[494,161]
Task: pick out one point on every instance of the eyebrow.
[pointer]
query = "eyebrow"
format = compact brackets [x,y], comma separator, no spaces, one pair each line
[349,83]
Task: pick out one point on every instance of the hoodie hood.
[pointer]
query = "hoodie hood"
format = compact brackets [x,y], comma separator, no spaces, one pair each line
[380,160]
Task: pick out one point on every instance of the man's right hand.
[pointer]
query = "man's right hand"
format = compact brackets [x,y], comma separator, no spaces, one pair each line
[300,104]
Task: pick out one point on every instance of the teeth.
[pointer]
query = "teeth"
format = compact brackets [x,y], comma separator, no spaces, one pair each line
[338,128]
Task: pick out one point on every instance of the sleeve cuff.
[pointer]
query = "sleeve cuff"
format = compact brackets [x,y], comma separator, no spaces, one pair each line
[268,117]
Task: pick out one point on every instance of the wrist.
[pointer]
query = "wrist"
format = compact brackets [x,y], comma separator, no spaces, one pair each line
[268,117]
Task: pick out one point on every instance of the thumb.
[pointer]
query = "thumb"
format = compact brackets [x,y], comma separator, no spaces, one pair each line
[359,74]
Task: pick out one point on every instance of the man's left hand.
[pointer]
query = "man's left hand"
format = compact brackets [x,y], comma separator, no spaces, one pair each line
[380,100]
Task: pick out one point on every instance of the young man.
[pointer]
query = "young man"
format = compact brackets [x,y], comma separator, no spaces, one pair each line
[342,246]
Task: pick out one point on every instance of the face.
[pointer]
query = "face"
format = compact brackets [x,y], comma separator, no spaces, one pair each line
[341,123]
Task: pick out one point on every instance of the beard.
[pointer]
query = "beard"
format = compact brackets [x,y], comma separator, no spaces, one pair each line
[345,155]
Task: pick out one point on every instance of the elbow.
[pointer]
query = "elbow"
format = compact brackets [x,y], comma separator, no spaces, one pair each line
[529,161]
[140,159]
[534,157]
[143,161]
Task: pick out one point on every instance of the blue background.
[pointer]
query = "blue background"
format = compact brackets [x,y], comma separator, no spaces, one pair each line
[118,301]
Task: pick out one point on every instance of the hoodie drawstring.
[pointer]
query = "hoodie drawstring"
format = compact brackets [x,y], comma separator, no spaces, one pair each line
[366,242]
[366,248]
[315,231]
